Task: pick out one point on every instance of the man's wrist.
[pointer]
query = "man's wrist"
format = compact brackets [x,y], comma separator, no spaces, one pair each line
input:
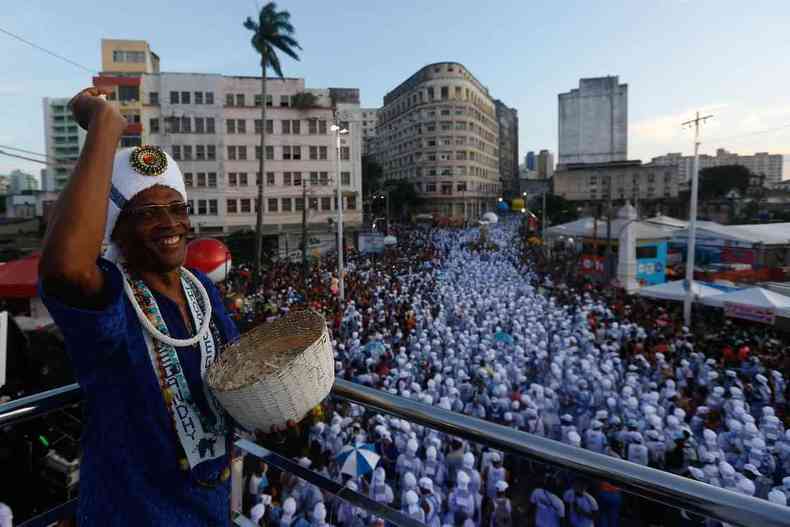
[108,121]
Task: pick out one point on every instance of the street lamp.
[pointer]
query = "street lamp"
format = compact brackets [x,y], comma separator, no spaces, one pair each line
[342,289]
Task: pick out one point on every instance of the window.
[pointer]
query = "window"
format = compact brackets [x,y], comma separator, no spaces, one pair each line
[258,127]
[213,207]
[186,125]
[185,97]
[324,176]
[269,126]
[285,101]
[270,178]
[345,178]
[173,97]
[296,127]
[231,206]
[211,152]
[286,204]
[326,203]
[351,202]
[345,153]
[299,204]
[229,100]
[201,179]
[239,99]
[287,153]
[312,126]
[176,152]
[202,207]
[187,152]
[212,180]
[198,97]
[245,205]
[188,181]
[285,125]
[242,179]
[322,127]
[314,178]
[230,125]
[256,99]
[322,153]
[191,204]
[286,179]
[269,101]
[269,152]
[296,152]
[297,179]
[313,203]
[209,97]
[430,187]
[242,151]
[200,152]
[232,179]
[210,125]
[153,98]
[153,125]
[313,153]
[232,153]
[272,204]
[241,126]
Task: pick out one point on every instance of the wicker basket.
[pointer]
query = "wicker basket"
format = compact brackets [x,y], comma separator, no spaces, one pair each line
[277,372]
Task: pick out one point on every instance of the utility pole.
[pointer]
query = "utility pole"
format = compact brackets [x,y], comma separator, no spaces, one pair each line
[692,230]
[387,198]
[304,235]
[339,132]
[608,259]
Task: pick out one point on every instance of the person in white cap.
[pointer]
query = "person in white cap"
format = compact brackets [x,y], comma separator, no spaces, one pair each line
[408,461]
[433,468]
[637,451]
[431,503]
[494,474]
[549,508]
[380,491]
[287,516]
[461,503]
[501,509]
[582,507]
[140,330]
[411,506]
[318,516]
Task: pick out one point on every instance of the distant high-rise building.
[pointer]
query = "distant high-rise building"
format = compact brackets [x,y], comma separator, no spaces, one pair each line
[63,139]
[508,148]
[761,163]
[593,122]
[529,161]
[544,165]
[370,120]
[439,129]
[19,182]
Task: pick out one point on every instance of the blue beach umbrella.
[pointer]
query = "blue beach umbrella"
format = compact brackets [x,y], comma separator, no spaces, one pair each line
[358,460]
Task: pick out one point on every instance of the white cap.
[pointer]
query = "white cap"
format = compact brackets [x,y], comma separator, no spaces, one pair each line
[411,497]
[469,460]
[412,445]
[289,507]
[745,486]
[778,497]
[426,483]
[501,485]
[463,478]
[409,480]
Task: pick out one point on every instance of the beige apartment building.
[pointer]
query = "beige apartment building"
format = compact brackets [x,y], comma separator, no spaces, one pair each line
[625,180]
[211,124]
[761,163]
[439,129]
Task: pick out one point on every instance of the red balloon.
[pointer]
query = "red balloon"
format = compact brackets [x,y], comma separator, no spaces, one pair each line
[209,256]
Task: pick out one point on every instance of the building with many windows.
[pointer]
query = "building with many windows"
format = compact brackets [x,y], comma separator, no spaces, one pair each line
[370,121]
[63,139]
[544,165]
[439,129]
[211,124]
[761,163]
[625,180]
[508,148]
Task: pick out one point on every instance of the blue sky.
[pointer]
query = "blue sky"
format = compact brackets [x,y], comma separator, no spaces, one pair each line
[677,56]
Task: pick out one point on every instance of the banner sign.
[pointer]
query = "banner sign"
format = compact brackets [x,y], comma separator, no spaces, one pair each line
[371,243]
[591,264]
[766,315]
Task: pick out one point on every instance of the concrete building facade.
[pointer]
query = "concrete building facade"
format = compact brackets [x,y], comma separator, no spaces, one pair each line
[63,140]
[593,122]
[544,165]
[19,182]
[439,129]
[529,160]
[211,124]
[629,180]
[761,163]
[370,121]
[508,148]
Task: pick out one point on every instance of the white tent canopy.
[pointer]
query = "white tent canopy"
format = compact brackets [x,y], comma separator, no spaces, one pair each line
[677,291]
[754,297]
[490,217]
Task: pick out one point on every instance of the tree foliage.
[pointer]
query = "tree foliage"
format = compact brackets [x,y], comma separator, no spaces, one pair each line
[273,31]
[304,100]
[403,197]
[558,209]
[716,182]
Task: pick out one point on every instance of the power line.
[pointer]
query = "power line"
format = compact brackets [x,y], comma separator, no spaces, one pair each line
[34,160]
[45,50]
[23,150]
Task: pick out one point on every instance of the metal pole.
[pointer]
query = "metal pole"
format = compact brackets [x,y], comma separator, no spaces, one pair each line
[304,236]
[608,261]
[543,221]
[341,281]
[387,198]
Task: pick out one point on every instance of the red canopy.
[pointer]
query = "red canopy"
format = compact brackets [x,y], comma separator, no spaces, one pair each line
[19,278]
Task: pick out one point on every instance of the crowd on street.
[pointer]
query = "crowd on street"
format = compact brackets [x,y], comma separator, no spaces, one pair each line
[495,331]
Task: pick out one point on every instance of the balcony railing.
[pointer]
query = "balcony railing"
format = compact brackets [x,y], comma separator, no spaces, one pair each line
[659,486]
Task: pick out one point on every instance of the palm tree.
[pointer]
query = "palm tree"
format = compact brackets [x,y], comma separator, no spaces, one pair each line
[271,32]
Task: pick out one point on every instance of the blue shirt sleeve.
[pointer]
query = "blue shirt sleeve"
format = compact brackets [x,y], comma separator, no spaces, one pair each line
[93,337]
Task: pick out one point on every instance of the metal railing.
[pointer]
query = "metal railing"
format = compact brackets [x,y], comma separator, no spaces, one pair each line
[656,485]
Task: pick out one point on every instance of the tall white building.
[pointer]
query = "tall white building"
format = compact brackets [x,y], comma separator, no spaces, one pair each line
[761,163]
[211,124]
[63,139]
[370,120]
[593,122]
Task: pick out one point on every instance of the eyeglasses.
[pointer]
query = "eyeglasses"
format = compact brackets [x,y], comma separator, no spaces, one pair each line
[155,213]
